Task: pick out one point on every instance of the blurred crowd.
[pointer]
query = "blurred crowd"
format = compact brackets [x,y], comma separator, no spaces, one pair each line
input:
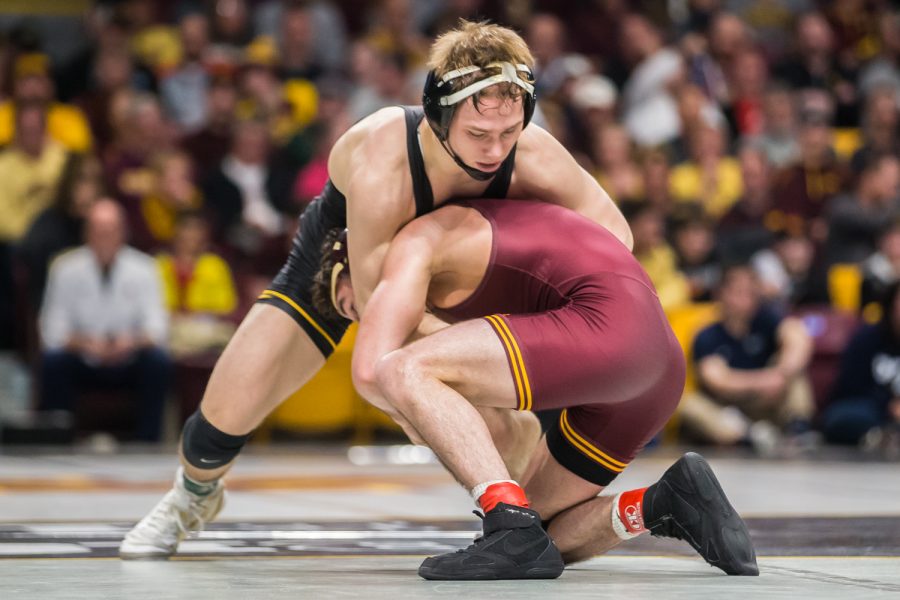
[751,144]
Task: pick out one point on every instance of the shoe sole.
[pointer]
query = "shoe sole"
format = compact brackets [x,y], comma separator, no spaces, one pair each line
[733,533]
[517,573]
[158,556]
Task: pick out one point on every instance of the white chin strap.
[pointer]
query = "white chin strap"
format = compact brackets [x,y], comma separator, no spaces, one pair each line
[509,73]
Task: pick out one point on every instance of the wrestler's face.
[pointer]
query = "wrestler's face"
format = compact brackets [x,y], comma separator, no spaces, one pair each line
[482,137]
[345,303]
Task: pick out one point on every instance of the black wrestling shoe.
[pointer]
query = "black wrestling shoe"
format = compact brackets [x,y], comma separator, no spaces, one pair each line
[687,503]
[513,546]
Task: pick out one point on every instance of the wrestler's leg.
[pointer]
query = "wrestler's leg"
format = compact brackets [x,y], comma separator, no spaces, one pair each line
[580,521]
[434,383]
[267,359]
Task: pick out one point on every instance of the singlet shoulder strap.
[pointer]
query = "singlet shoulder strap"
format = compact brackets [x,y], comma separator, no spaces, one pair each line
[499,186]
[422,191]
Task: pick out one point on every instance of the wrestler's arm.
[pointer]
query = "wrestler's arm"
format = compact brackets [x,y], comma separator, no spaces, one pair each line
[397,305]
[545,170]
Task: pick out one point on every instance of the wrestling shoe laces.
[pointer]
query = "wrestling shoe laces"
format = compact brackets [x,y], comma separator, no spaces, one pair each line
[513,545]
[687,503]
[178,514]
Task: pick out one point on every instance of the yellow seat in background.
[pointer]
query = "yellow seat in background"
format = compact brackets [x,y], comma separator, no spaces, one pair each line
[328,403]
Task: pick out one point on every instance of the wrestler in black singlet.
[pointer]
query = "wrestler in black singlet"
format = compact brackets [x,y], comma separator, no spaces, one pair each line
[291,289]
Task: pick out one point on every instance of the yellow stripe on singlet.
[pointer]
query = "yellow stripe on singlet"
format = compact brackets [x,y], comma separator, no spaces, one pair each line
[586,447]
[512,361]
[516,359]
[300,311]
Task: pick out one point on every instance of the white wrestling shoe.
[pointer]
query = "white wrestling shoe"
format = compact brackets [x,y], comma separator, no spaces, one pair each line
[180,512]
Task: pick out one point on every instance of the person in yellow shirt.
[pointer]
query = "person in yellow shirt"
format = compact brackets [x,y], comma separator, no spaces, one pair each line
[198,288]
[30,169]
[66,124]
[711,177]
[655,254]
[173,193]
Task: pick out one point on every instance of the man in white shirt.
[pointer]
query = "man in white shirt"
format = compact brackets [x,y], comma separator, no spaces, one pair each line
[103,322]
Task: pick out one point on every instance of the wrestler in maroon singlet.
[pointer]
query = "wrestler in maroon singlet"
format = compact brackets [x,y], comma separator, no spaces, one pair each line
[583,330]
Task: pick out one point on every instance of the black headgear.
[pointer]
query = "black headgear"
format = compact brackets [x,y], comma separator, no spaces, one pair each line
[440,102]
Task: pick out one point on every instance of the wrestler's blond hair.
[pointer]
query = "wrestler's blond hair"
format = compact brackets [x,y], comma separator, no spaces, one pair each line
[478,44]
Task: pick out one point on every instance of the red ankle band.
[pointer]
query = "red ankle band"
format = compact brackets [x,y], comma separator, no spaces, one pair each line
[631,510]
[507,492]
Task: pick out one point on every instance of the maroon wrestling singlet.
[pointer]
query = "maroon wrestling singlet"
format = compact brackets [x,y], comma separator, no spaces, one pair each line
[583,330]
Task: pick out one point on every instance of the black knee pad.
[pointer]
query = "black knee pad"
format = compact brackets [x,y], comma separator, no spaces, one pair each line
[205,447]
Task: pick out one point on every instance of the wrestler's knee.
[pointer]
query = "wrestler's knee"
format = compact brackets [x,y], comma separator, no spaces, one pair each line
[396,374]
[205,446]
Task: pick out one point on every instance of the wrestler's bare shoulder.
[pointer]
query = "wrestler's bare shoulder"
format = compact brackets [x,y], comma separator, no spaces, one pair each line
[541,162]
[374,149]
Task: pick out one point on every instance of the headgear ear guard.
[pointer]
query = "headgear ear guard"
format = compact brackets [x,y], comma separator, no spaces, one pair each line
[440,102]
[341,263]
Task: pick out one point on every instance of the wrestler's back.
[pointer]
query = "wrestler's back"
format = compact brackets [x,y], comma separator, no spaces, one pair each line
[543,256]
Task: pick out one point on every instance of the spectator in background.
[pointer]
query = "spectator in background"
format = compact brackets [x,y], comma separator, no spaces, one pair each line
[855,26]
[805,189]
[884,69]
[617,172]
[712,59]
[313,176]
[153,42]
[297,44]
[655,170]
[113,72]
[779,134]
[592,103]
[654,253]
[749,78]
[750,368]
[814,65]
[198,288]
[546,36]
[30,168]
[249,196]
[746,228]
[183,88]
[209,145]
[103,323]
[32,86]
[694,242]
[648,106]
[60,226]
[880,127]
[172,193]
[770,22]
[785,270]
[880,271]
[311,35]
[855,219]
[286,106]
[141,131]
[230,26]
[386,88]
[394,32]
[695,111]
[711,176]
[866,396]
